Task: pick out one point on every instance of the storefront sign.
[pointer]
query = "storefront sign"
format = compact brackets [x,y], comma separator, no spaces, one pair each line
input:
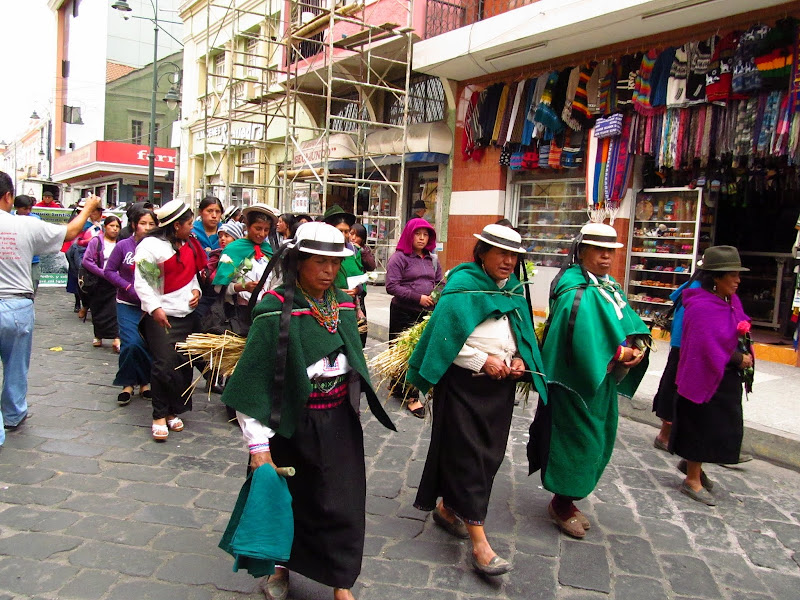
[114,152]
[240,134]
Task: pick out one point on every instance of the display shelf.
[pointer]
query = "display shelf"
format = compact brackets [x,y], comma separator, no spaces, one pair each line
[669,219]
[546,201]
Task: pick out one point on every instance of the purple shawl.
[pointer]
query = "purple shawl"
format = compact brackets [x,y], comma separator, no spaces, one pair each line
[405,244]
[708,341]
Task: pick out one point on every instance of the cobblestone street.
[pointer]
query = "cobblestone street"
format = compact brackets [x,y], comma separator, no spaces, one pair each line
[92,508]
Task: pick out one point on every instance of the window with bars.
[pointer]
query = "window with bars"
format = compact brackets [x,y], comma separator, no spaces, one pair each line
[136,132]
[248,157]
[425,102]
[340,120]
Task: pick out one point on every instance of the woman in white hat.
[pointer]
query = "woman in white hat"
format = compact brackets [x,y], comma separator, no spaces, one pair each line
[478,343]
[296,391]
[243,261]
[591,353]
[167,263]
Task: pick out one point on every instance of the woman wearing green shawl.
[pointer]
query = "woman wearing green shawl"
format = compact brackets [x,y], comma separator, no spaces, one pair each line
[478,343]
[591,353]
[243,261]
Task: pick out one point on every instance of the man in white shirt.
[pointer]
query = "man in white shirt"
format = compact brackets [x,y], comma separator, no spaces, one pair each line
[20,240]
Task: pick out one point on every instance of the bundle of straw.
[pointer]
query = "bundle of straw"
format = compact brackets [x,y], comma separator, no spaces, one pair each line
[221,352]
[392,363]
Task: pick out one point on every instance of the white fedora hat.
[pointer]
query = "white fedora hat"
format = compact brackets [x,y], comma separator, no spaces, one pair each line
[599,234]
[271,212]
[320,238]
[502,237]
[170,212]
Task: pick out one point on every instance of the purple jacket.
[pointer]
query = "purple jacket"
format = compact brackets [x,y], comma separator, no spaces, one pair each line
[708,341]
[119,270]
[409,276]
[93,257]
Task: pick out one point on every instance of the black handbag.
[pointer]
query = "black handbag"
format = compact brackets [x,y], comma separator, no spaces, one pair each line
[87,281]
[223,317]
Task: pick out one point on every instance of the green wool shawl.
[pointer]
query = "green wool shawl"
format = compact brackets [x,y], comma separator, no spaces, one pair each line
[233,255]
[350,267]
[250,387]
[581,363]
[469,298]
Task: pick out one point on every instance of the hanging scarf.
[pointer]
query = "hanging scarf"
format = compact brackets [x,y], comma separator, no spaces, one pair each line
[234,255]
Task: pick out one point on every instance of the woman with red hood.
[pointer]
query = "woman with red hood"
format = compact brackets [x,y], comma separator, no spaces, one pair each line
[411,275]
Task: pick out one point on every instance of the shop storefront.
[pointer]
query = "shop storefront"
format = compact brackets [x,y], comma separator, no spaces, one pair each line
[116,172]
[681,140]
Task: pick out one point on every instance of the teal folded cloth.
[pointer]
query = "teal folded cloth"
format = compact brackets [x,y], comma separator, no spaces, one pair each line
[261,527]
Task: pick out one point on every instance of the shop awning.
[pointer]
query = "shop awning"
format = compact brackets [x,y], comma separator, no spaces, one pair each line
[115,158]
[549,29]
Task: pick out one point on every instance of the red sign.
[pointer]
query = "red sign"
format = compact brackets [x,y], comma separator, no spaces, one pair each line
[114,152]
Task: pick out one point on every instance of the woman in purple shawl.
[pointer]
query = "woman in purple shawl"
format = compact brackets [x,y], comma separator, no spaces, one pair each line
[708,423]
[411,275]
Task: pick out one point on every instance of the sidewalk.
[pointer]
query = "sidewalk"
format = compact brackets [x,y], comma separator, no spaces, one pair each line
[92,509]
[772,413]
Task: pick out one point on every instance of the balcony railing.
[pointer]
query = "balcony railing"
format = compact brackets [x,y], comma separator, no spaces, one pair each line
[446,15]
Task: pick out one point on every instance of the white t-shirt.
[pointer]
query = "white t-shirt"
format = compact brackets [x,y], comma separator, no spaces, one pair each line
[20,241]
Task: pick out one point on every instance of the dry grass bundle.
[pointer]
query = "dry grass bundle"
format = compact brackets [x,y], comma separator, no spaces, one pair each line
[392,363]
[221,352]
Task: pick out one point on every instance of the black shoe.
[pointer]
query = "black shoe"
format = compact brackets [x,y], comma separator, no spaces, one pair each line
[147,395]
[15,427]
[124,399]
[231,412]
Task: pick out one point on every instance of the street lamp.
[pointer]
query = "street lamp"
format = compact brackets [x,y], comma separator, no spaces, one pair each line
[35,117]
[122,5]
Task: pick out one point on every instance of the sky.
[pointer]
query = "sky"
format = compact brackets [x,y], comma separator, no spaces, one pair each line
[27,71]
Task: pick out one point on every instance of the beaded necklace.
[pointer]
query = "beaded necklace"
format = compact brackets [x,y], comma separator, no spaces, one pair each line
[325,310]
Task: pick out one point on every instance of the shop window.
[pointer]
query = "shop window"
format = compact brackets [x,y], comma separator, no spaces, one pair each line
[548,215]
[426,101]
[219,64]
[136,132]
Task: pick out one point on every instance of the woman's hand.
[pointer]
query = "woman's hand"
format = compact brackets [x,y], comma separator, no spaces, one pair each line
[261,458]
[517,368]
[426,302]
[195,299]
[747,361]
[352,293]
[495,368]
[638,355]
[245,287]
[160,317]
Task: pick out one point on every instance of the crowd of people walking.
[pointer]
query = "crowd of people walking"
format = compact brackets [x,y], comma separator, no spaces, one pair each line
[295,288]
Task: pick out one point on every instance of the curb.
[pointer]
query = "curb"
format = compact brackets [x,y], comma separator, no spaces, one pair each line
[778,447]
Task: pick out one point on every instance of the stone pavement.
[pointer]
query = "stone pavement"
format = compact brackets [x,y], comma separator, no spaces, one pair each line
[91,508]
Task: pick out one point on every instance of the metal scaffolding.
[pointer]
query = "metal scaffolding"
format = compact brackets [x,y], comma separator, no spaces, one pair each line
[293,78]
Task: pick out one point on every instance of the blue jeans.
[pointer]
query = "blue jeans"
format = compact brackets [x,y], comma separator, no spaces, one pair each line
[134,359]
[16,340]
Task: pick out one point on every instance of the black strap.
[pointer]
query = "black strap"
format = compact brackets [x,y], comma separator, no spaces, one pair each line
[573,315]
[283,343]
[276,256]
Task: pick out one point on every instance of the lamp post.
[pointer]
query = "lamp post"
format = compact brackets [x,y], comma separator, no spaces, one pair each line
[122,5]
[173,99]
[35,117]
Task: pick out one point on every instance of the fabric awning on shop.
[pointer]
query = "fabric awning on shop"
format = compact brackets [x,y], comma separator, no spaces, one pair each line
[549,29]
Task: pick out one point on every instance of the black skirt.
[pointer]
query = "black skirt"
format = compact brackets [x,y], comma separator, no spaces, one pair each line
[170,373]
[103,304]
[710,432]
[328,494]
[664,400]
[401,319]
[471,421]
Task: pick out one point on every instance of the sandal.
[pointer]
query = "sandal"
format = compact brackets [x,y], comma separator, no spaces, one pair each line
[175,424]
[571,526]
[146,394]
[116,346]
[97,342]
[418,412]
[160,432]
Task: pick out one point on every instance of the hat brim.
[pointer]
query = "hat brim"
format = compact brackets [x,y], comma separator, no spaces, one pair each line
[349,218]
[612,245]
[517,249]
[264,211]
[343,253]
[724,268]
[174,216]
